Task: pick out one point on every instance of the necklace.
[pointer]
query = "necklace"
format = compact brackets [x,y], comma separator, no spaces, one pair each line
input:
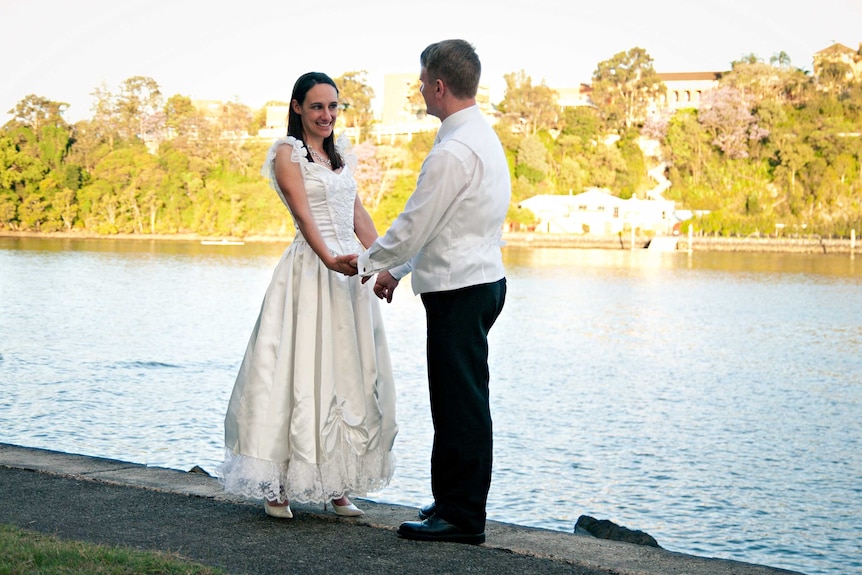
[319,158]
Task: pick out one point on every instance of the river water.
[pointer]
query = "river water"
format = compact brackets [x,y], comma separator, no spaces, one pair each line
[712,400]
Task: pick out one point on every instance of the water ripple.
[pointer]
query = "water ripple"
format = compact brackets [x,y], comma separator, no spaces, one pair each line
[710,401]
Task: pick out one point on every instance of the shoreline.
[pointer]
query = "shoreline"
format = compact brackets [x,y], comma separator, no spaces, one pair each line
[810,245]
[75,496]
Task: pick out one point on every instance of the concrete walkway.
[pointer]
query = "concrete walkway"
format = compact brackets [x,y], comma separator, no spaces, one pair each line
[117,503]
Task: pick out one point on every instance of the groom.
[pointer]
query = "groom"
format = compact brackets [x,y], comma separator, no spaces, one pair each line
[449,237]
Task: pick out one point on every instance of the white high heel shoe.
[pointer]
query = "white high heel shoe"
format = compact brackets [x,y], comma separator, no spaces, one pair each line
[280,511]
[349,510]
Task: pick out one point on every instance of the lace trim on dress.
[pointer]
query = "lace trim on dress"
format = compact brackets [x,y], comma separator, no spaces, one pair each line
[345,149]
[267,170]
[352,474]
[300,155]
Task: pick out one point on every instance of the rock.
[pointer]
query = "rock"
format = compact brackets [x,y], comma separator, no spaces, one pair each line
[199,469]
[604,529]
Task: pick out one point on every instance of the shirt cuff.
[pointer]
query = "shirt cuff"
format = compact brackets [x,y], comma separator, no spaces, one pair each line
[399,272]
[363,264]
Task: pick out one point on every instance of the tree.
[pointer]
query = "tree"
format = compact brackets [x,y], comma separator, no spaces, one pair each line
[64,208]
[633,178]
[533,108]
[369,174]
[35,112]
[835,75]
[182,119]
[532,163]
[22,169]
[725,114]
[780,60]
[104,126]
[570,176]
[759,81]
[8,211]
[356,96]
[192,134]
[32,212]
[34,161]
[624,86]
[233,123]
[234,119]
[581,132]
[183,177]
[792,155]
[139,108]
[686,150]
[584,123]
[39,130]
[605,164]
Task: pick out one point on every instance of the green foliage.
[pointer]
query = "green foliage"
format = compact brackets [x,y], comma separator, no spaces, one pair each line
[623,87]
[393,203]
[519,217]
[687,151]
[530,108]
[531,161]
[726,223]
[356,96]
[631,178]
[418,147]
[584,123]
[775,150]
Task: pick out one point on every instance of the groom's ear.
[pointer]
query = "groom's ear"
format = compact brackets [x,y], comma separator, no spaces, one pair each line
[440,88]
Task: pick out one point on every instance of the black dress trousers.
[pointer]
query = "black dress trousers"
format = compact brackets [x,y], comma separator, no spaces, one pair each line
[458,323]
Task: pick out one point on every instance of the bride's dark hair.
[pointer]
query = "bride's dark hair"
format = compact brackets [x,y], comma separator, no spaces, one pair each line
[294,121]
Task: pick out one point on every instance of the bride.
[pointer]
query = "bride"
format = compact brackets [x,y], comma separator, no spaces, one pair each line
[312,414]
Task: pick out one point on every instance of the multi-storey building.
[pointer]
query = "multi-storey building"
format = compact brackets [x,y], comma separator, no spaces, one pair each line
[840,54]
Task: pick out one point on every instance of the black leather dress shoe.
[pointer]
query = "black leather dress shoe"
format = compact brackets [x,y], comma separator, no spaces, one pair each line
[428,511]
[436,529]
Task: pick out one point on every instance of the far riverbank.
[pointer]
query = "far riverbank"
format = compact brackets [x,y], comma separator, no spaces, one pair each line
[806,245]
[803,245]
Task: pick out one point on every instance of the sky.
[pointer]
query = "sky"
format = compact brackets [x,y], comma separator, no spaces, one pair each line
[252,51]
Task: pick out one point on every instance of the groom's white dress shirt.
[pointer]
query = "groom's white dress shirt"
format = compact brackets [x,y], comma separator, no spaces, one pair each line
[450,232]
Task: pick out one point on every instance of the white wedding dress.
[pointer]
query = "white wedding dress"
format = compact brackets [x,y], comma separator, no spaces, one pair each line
[312,413]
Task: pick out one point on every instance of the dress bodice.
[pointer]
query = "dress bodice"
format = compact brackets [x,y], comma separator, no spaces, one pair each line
[331,195]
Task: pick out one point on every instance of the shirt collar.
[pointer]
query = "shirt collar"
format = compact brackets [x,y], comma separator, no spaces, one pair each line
[455,121]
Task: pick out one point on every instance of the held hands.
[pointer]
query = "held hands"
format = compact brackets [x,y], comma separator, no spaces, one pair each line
[385,285]
[345,265]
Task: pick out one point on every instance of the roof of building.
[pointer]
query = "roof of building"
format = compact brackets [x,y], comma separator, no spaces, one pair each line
[837,47]
[551,201]
[677,76]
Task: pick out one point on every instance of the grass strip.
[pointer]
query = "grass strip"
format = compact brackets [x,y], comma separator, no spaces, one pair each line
[31,553]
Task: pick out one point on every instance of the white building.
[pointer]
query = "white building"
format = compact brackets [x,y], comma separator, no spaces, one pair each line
[685,89]
[399,118]
[597,212]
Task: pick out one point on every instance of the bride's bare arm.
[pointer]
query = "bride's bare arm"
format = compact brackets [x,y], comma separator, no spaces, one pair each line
[363,225]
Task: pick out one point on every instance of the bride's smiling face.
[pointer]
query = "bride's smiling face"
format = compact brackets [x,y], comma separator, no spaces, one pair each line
[318,111]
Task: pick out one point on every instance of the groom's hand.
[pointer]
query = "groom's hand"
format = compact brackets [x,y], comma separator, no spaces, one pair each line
[385,286]
[347,264]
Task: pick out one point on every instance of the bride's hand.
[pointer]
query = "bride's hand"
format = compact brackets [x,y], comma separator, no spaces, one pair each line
[345,264]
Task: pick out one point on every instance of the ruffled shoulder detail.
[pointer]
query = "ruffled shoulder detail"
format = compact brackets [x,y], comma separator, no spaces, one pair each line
[345,149]
[299,155]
